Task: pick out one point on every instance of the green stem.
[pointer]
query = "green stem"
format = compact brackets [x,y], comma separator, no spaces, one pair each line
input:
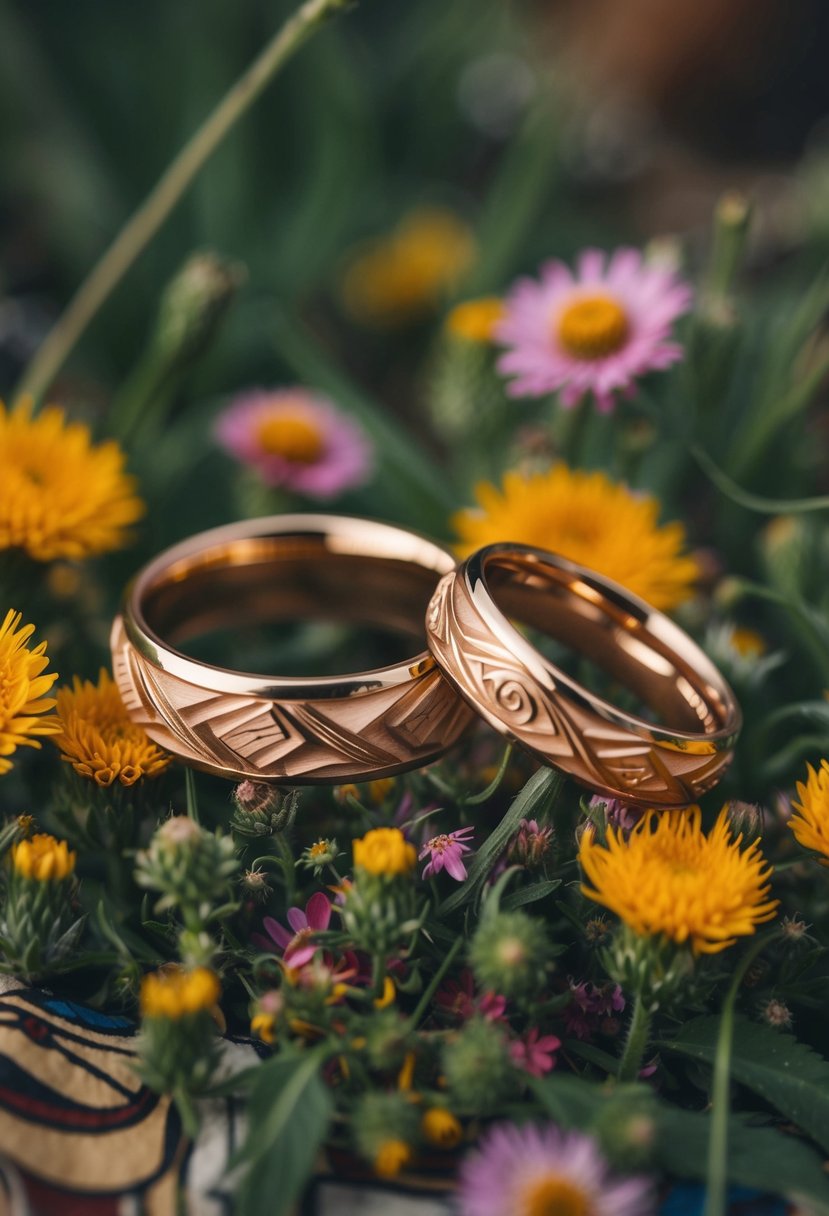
[715,1195]
[432,987]
[146,221]
[637,1041]
[485,795]
[192,800]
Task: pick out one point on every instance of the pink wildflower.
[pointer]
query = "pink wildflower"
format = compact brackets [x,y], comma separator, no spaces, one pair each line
[531,844]
[590,1006]
[618,814]
[456,999]
[521,1171]
[297,947]
[533,1054]
[296,440]
[596,331]
[446,853]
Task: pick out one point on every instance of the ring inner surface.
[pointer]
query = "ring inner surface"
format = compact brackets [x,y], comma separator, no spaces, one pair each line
[272,580]
[640,651]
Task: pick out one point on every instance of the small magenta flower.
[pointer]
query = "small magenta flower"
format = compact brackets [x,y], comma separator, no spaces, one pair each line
[531,845]
[446,853]
[595,331]
[534,1053]
[617,814]
[297,947]
[456,999]
[589,1006]
[535,1168]
[296,440]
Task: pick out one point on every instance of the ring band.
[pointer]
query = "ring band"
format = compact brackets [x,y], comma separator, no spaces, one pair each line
[288,730]
[527,698]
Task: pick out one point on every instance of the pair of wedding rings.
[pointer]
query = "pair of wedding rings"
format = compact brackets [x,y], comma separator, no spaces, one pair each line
[334,729]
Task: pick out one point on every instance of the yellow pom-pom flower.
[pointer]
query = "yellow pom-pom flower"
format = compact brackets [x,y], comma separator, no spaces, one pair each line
[98,738]
[399,277]
[668,878]
[43,858]
[440,1127]
[591,520]
[811,823]
[23,688]
[475,320]
[391,1157]
[61,495]
[174,993]
[385,851]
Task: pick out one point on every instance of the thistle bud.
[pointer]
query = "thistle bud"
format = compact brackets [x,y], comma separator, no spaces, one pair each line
[262,810]
[478,1070]
[188,865]
[532,845]
[193,306]
[385,1127]
[511,953]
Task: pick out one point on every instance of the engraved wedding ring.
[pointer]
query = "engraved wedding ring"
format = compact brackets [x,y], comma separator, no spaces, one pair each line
[330,729]
[529,699]
[287,730]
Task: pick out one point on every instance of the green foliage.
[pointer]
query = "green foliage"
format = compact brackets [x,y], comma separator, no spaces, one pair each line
[789,1075]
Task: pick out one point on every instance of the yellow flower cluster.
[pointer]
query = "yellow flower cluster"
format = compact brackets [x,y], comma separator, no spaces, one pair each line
[811,824]
[43,858]
[669,878]
[591,520]
[60,494]
[175,993]
[98,738]
[397,278]
[22,689]
[385,851]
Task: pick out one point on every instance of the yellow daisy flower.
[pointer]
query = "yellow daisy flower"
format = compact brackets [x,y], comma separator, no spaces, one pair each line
[669,878]
[98,738]
[60,494]
[589,519]
[22,689]
[811,825]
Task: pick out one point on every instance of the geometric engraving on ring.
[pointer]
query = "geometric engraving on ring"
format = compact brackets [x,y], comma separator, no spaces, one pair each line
[380,728]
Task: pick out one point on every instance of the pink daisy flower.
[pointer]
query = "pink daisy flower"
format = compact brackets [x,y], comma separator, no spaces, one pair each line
[535,1054]
[446,853]
[296,440]
[522,1171]
[592,332]
[296,946]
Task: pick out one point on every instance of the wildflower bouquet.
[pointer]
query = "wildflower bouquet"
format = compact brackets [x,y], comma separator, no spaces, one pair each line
[475,977]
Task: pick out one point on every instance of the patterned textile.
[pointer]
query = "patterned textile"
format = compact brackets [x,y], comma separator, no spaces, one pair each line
[79,1133]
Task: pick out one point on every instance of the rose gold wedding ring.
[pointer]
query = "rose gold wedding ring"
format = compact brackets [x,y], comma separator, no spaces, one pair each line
[663,763]
[266,727]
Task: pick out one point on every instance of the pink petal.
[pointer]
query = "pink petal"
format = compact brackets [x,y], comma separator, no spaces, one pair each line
[276,932]
[453,864]
[297,919]
[301,955]
[318,911]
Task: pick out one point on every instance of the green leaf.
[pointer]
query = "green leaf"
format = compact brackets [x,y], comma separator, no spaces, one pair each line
[288,1116]
[530,895]
[787,1074]
[758,1157]
[542,789]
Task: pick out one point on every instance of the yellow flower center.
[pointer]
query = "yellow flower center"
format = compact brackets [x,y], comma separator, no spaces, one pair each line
[553,1196]
[320,849]
[391,1158]
[293,438]
[592,327]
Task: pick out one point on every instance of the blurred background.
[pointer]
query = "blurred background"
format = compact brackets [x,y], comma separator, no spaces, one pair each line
[536,123]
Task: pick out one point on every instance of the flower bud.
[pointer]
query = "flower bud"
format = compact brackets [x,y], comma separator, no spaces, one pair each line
[193,305]
[40,926]
[776,1013]
[324,852]
[188,865]
[532,845]
[511,954]
[177,1046]
[262,810]
[385,1126]
[478,1070]
[440,1128]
